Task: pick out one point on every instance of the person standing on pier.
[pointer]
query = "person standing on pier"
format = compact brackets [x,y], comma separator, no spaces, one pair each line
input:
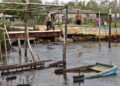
[49,21]
[78,18]
[96,21]
[104,23]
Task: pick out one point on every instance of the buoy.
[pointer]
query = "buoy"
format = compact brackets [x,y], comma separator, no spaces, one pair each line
[78,78]
[11,78]
[59,71]
[23,85]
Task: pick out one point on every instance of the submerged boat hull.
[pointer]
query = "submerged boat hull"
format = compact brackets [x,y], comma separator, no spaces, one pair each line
[110,70]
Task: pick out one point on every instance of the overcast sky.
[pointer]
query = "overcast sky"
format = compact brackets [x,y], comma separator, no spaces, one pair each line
[59,0]
[63,0]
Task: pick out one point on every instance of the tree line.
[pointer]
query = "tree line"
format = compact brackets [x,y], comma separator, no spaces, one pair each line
[95,5]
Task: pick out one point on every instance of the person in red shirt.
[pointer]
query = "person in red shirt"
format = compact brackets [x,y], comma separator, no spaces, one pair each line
[96,21]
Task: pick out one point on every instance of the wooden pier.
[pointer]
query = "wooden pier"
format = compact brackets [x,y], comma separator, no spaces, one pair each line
[34,34]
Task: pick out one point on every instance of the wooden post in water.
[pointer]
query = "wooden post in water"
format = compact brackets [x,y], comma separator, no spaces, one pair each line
[0,53]
[28,41]
[7,34]
[99,29]
[110,19]
[25,42]
[37,50]
[5,45]
[65,43]
[19,51]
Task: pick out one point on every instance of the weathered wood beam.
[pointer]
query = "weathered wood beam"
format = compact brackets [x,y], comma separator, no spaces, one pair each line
[65,45]
[39,4]
[12,10]
[34,34]
[32,9]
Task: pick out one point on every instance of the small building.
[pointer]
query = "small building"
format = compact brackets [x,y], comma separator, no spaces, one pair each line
[87,15]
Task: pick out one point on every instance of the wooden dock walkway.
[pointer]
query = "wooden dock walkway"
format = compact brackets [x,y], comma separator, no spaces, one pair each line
[35,34]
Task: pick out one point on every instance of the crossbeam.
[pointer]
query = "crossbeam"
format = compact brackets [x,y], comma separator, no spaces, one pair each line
[39,4]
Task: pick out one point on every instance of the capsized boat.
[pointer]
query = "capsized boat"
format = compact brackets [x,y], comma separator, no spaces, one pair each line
[94,71]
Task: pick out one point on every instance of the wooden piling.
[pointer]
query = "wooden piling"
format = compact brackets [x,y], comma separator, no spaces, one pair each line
[6,31]
[5,45]
[58,16]
[28,42]
[37,50]
[0,53]
[99,30]
[19,51]
[25,42]
[64,46]
[110,19]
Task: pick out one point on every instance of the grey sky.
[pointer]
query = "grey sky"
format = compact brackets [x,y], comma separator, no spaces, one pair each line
[63,0]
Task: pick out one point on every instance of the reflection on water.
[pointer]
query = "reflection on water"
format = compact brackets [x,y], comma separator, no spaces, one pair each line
[77,54]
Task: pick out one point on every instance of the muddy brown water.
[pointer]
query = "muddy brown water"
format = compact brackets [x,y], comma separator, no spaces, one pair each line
[77,54]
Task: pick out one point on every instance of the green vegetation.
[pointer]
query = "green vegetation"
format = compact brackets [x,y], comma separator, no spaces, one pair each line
[59,24]
[103,5]
[1,37]
[17,13]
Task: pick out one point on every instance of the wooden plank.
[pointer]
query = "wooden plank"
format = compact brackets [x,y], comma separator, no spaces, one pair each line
[8,67]
[35,34]
[39,4]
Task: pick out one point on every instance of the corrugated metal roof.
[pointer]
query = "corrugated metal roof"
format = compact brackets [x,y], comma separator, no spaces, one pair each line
[74,11]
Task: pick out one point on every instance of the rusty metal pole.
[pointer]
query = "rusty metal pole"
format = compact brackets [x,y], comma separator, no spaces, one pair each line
[65,43]
[115,13]
[25,21]
[110,19]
